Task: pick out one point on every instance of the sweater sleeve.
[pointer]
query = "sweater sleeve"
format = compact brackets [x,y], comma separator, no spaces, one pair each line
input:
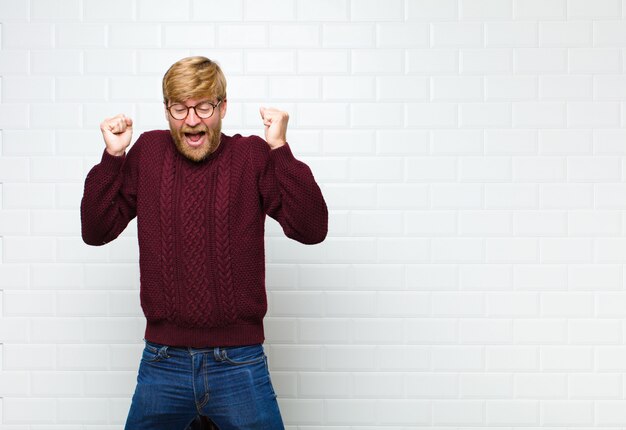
[291,196]
[109,197]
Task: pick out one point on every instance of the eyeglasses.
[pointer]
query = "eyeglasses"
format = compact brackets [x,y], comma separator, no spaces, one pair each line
[203,110]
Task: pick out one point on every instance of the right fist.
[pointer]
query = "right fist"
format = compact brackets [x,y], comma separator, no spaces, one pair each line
[117,132]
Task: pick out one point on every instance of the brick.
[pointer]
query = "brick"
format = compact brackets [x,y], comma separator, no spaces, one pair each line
[458,412]
[512,358]
[566,87]
[511,34]
[217,10]
[565,34]
[403,250]
[520,250]
[485,331]
[432,115]
[27,35]
[269,62]
[485,169]
[322,114]
[367,223]
[540,223]
[188,35]
[465,250]
[609,34]
[269,10]
[407,412]
[432,10]
[57,10]
[565,142]
[14,116]
[594,60]
[446,196]
[563,196]
[343,142]
[432,61]
[480,61]
[27,89]
[485,277]
[600,9]
[301,88]
[485,115]
[590,277]
[81,36]
[428,169]
[323,10]
[353,35]
[539,114]
[29,249]
[484,223]
[457,34]
[29,411]
[506,88]
[124,36]
[567,358]
[300,36]
[338,412]
[593,114]
[540,60]
[135,88]
[509,196]
[431,223]
[490,386]
[449,88]
[55,115]
[351,88]
[510,142]
[540,9]
[83,410]
[377,10]
[585,331]
[163,10]
[551,331]
[540,277]
[327,331]
[377,115]
[557,250]
[458,358]
[428,386]
[571,412]
[370,61]
[540,169]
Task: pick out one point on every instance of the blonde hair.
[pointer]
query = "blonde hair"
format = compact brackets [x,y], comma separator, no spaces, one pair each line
[194,77]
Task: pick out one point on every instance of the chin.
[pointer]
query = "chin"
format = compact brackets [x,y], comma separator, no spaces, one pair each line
[200,153]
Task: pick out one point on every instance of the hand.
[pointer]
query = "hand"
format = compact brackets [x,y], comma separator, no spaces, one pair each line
[275,122]
[117,132]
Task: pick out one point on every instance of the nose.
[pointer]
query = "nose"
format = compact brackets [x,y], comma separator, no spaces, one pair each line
[192,119]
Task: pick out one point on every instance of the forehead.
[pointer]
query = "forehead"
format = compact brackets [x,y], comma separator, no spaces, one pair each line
[193,101]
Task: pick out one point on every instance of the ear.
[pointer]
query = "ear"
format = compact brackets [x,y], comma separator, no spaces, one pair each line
[223,108]
[167,114]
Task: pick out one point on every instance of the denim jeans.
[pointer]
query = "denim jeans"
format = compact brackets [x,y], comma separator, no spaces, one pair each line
[231,386]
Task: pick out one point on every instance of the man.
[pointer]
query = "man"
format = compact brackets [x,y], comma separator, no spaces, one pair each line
[200,198]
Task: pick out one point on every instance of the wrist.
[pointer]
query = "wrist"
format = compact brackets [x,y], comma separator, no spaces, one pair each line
[115,153]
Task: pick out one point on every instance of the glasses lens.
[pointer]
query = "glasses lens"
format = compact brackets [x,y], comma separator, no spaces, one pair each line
[204,110]
[178,111]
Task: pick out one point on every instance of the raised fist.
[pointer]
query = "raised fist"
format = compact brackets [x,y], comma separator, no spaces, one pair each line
[117,132]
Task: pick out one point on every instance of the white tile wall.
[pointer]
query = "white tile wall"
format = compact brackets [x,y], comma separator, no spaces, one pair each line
[472,155]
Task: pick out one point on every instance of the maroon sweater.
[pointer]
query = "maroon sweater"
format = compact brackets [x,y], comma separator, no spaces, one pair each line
[201,230]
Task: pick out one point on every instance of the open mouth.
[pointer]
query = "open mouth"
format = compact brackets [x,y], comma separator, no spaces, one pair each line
[195,139]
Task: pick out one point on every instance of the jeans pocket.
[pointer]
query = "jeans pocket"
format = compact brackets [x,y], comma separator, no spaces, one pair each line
[153,352]
[243,355]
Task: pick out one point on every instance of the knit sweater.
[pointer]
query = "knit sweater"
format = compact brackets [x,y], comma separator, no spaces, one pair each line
[201,230]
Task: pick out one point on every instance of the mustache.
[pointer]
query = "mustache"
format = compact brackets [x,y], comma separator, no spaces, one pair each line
[197,129]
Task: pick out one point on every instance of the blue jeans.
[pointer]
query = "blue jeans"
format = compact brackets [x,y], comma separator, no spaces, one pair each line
[231,386]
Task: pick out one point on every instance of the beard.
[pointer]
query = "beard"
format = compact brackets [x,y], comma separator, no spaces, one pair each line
[210,136]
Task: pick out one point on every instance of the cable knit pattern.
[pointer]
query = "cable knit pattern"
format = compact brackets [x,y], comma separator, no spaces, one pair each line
[167,232]
[222,242]
[201,230]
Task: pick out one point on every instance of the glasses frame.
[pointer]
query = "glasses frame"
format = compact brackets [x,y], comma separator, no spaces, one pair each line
[169,109]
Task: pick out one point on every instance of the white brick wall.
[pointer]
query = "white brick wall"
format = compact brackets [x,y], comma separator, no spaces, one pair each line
[472,155]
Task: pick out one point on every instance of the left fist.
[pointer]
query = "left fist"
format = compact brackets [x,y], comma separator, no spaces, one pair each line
[275,122]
